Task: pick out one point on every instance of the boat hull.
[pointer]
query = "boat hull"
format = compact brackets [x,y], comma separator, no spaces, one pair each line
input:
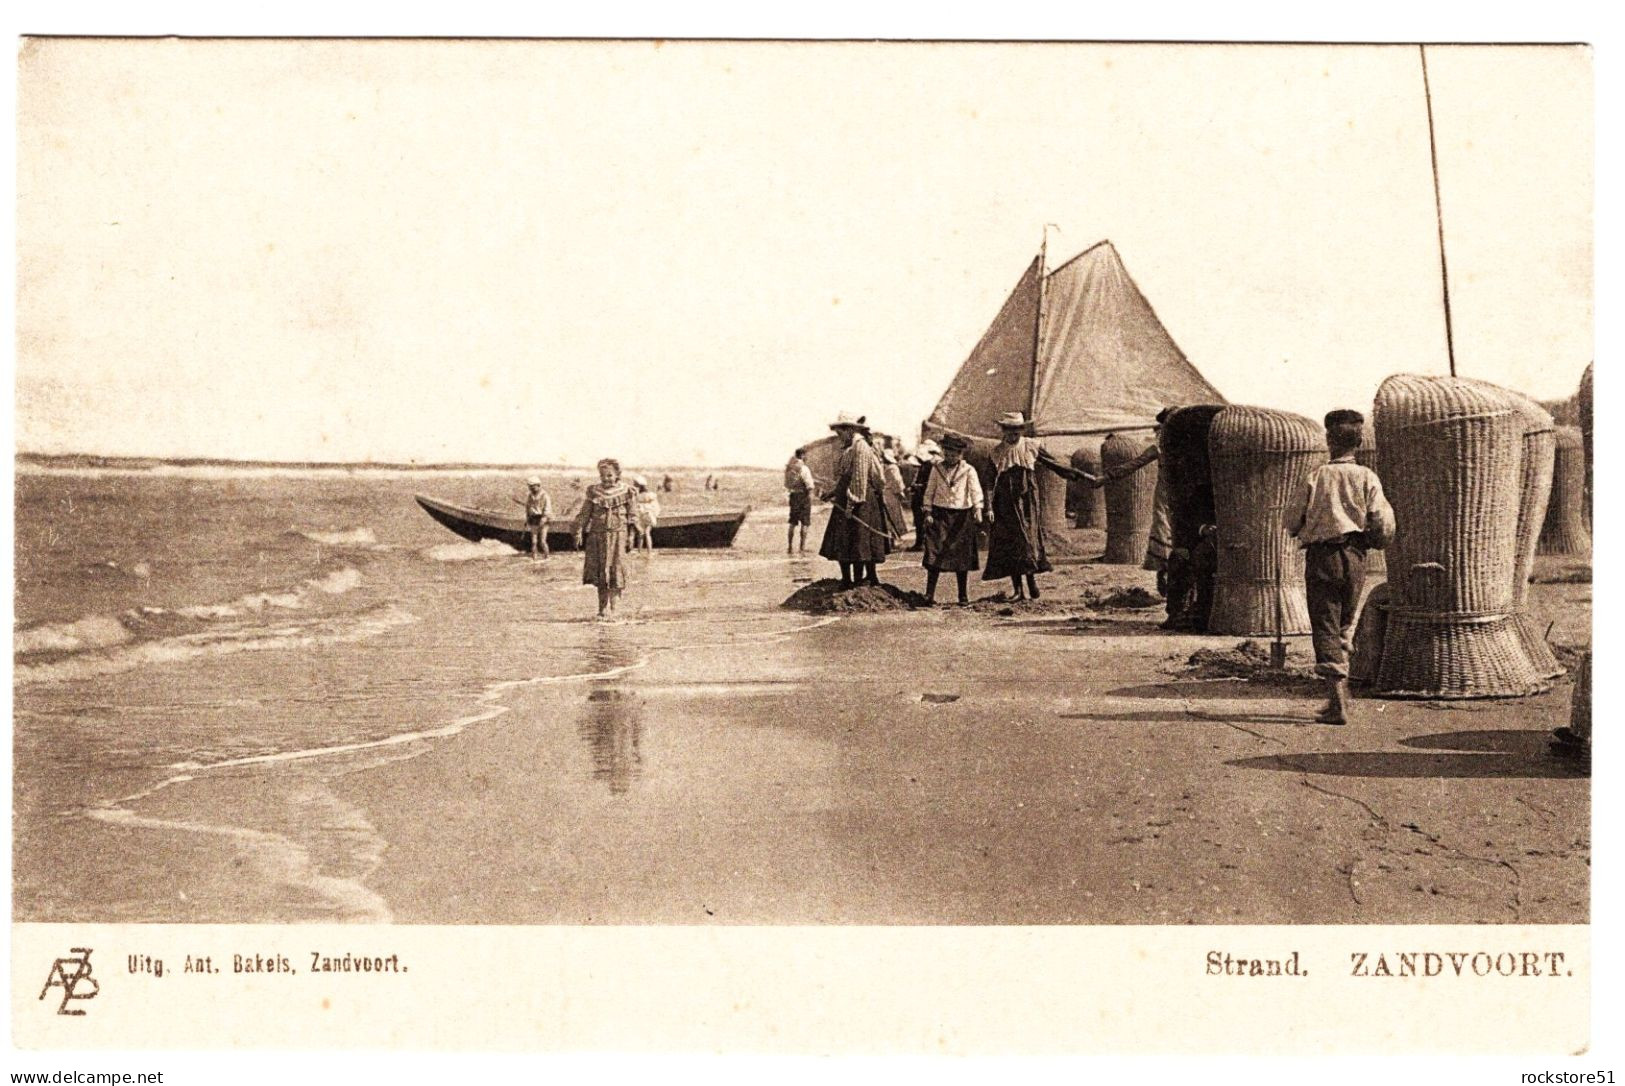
[686,530]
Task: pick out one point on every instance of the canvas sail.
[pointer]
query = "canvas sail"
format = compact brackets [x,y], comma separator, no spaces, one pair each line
[998,375]
[1105,362]
[1100,361]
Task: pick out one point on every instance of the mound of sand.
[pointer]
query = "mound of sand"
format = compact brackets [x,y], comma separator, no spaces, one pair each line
[826,597]
[1123,599]
[1249,660]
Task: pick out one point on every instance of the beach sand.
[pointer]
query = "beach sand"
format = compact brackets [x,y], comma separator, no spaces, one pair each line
[990,765]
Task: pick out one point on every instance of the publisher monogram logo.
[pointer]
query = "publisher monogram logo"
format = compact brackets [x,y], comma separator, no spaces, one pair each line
[72,975]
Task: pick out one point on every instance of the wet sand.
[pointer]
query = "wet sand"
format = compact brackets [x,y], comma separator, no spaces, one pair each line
[947,768]
[917,767]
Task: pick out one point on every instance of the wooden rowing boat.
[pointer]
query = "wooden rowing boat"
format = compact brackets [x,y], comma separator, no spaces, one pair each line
[689,530]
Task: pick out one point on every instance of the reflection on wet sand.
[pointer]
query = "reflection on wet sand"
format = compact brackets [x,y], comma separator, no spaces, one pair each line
[612,726]
[611,723]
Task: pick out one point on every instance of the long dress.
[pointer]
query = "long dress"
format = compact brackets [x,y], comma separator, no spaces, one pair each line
[606,516]
[1015,543]
[857,530]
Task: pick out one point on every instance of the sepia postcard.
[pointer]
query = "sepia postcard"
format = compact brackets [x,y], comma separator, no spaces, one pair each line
[806,547]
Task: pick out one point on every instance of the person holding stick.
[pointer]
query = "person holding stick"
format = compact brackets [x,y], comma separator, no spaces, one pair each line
[1015,544]
[857,537]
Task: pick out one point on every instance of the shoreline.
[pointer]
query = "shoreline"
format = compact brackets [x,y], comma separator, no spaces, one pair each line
[1021,768]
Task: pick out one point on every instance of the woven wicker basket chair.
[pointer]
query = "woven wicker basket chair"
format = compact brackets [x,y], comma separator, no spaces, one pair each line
[1564,531]
[1580,706]
[1370,632]
[1130,501]
[1376,561]
[1534,492]
[1451,453]
[1088,503]
[1582,404]
[1260,461]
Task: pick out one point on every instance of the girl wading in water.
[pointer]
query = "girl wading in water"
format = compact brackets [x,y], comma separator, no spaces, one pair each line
[606,522]
[857,537]
[1015,542]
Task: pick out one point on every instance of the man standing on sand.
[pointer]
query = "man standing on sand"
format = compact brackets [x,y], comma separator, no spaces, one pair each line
[798,482]
[1339,513]
[538,511]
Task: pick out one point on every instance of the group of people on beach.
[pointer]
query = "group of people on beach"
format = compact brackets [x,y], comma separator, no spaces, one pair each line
[1340,513]
[952,508]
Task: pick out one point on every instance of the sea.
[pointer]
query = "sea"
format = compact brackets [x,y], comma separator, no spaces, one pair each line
[172,622]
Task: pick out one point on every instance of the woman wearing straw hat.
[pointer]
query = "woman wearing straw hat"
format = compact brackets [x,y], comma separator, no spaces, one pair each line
[608,516]
[857,537]
[1015,544]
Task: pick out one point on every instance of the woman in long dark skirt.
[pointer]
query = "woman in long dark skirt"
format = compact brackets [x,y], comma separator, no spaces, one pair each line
[1015,544]
[952,514]
[857,537]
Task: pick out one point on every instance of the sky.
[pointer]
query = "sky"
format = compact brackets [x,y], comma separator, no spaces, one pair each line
[700,253]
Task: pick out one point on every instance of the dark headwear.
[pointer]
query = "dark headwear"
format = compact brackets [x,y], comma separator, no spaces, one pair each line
[802,451]
[1162,416]
[954,441]
[1343,416]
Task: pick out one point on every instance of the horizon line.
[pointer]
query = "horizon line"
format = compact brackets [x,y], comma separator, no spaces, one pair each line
[136,460]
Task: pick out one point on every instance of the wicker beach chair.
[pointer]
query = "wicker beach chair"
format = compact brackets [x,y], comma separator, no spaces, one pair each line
[1564,531]
[1376,561]
[1260,461]
[1534,493]
[1130,501]
[1088,502]
[1451,455]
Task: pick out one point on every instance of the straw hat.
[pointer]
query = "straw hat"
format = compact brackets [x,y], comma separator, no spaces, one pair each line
[927,450]
[1013,420]
[847,421]
[639,480]
[534,480]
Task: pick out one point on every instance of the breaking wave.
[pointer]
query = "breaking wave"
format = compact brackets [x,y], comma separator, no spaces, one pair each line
[182,647]
[352,537]
[335,583]
[92,632]
[469,552]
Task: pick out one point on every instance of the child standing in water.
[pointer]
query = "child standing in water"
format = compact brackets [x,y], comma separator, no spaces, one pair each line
[648,514]
[607,518]
[538,511]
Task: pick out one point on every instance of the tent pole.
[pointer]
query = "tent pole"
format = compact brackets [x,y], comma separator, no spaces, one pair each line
[1038,332]
[1438,211]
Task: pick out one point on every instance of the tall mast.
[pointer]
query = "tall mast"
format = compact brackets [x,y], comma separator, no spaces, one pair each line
[1438,213]
[1038,332]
